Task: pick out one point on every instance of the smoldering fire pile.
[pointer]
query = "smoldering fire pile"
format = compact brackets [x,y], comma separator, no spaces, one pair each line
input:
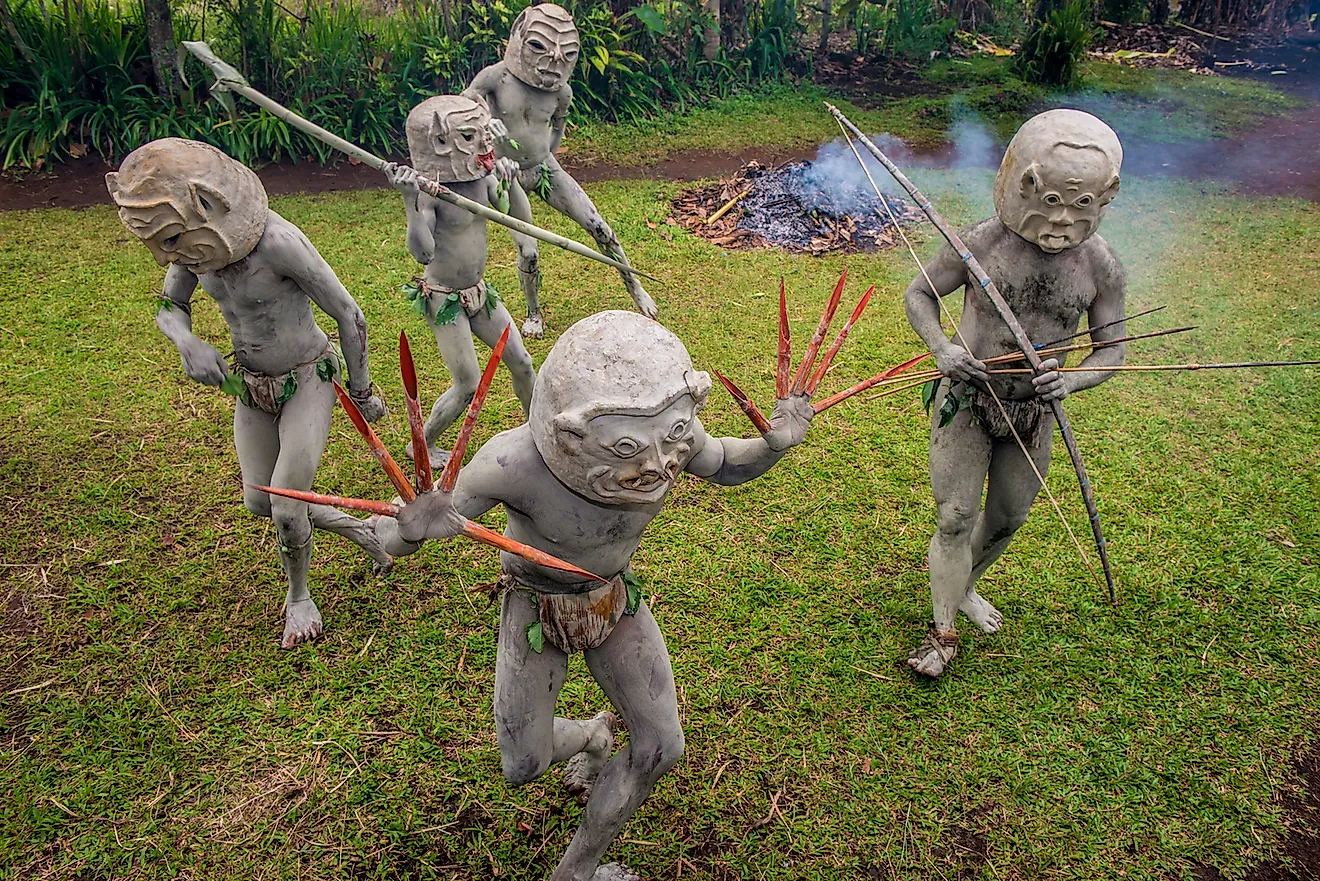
[804,207]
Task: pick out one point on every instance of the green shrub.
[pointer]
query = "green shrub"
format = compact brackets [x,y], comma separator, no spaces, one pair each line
[1054,45]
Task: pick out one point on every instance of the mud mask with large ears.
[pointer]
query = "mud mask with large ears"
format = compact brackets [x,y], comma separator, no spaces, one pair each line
[449,139]
[543,47]
[1059,174]
[190,204]
[614,410]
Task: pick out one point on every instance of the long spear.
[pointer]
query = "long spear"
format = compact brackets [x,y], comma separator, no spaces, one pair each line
[228,79]
[1019,334]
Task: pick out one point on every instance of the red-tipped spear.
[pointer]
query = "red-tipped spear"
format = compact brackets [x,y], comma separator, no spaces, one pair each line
[392,469]
[421,456]
[785,347]
[809,357]
[450,474]
[758,420]
[838,342]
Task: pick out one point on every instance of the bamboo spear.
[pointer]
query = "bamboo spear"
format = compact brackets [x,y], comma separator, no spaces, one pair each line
[228,79]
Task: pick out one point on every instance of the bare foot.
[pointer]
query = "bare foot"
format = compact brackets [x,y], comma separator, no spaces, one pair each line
[645,304]
[302,623]
[935,652]
[582,769]
[438,456]
[381,561]
[534,326]
[977,608]
[615,872]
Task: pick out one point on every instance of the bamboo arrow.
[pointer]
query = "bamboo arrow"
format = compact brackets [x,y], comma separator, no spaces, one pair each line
[1019,334]
[228,79]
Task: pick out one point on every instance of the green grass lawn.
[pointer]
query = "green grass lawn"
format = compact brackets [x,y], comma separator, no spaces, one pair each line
[163,732]
[1161,105]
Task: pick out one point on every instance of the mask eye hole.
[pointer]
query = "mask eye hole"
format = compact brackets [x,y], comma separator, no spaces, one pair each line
[171,241]
[1053,200]
[206,206]
[626,448]
[571,54]
[467,138]
[678,431]
[536,44]
[1083,202]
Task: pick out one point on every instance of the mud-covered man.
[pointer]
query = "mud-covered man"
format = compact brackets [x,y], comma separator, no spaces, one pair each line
[528,96]
[1059,174]
[205,217]
[449,141]
[613,424]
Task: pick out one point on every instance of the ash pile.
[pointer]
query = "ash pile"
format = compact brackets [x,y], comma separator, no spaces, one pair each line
[805,207]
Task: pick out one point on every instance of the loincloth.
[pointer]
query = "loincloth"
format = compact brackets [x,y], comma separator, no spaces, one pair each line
[577,622]
[1026,417]
[441,303]
[270,393]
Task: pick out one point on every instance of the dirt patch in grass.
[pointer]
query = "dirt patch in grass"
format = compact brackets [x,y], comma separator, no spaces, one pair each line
[1301,845]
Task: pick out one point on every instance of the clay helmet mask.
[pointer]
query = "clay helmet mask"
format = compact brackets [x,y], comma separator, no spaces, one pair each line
[190,204]
[614,409]
[449,139]
[543,47]
[1059,174]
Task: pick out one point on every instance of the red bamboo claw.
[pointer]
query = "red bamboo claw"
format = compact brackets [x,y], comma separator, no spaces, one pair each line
[384,508]
[450,474]
[809,357]
[421,457]
[761,423]
[392,469]
[477,532]
[822,406]
[833,350]
[785,347]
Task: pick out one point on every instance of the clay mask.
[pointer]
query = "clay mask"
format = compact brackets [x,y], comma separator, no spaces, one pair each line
[543,47]
[449,140]
[190,204]
[1059,174]
[614,411]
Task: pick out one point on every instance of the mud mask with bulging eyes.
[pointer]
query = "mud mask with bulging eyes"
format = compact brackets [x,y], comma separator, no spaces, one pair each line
[632,459]
[1061,199]
[189,204]
[543,47]
[449,139]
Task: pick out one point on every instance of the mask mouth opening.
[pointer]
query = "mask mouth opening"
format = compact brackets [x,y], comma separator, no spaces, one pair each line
[486,161]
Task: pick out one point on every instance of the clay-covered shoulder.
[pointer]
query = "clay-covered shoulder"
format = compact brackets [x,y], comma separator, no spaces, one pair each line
[985,234]
[486,79]
[1105,265]
[505,468]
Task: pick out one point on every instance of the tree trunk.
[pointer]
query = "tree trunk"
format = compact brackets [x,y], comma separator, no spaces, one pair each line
[826,21]
[1159,12]
[164,51]
[711,37]
[733,19]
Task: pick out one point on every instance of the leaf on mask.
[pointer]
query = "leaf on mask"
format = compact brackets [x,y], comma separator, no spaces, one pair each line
[290,389]
[928,393]
[536,636]
[325,369]
[633,585]
[233,385]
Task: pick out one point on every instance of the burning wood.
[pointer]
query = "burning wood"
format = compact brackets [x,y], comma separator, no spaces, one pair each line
[796,207]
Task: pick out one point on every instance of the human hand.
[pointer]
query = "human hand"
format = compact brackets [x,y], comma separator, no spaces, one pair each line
[506,169]
[370,405]
[1049,381]
[498,130]
[403,178]
[789,422]
[203,362]
[431,515]
[956,362]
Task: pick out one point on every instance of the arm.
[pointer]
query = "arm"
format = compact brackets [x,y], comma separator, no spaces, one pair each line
[421,220]
[440,515]
[482,89]
[922,305]
[560,118]
[1108,305]
[730,461]
[293,256]
[201,361]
